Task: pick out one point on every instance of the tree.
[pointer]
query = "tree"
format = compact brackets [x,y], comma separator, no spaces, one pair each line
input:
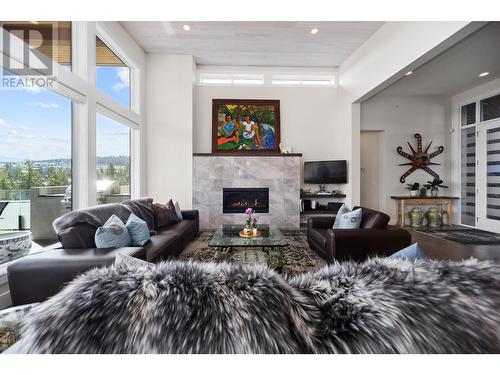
[30,176]
[110,171]
[57,177]
[5,181]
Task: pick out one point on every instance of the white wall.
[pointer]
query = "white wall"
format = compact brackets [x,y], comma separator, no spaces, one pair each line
[395,48]
[306,115]
[398,119]
[169,131]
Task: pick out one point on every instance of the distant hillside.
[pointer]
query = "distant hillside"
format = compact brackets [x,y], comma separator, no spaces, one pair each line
[121,161]
[101,162]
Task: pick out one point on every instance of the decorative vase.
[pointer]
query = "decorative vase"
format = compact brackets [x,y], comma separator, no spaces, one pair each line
[445,218]
[423,192]
[434,217]
[254,230]
[416,217]
[428,193]
[413,193]
[434,191]
[247,229]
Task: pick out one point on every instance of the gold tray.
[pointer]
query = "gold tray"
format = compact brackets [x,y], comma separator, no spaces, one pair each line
[250,235]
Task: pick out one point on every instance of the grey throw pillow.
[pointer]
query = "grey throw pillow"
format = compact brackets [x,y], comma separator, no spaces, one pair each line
[178,211]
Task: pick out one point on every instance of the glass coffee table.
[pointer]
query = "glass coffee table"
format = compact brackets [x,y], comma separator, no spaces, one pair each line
[264,249]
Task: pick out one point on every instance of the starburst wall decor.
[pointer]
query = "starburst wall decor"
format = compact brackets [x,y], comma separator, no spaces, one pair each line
[420,159]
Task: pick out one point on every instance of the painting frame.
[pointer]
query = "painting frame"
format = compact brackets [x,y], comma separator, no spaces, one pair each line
[217,103]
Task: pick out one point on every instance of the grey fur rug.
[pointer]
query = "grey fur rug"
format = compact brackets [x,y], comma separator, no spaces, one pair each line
[297,256]
[380,306]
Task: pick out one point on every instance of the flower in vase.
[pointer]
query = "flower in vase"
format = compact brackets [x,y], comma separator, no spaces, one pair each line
[249,211]
[254,222]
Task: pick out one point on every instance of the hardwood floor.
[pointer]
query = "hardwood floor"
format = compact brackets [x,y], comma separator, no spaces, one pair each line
[439,248]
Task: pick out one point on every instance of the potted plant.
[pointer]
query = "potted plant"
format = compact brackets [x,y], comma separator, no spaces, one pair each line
[254,226]
[434,186]
[414,189]
[251,223]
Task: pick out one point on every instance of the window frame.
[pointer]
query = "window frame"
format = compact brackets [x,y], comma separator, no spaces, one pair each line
[79,86]
[296,77]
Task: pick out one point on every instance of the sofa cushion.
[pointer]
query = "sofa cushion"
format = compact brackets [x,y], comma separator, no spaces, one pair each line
[77,229]
[372,219]
[164,214]
[138,230]
[186,229]
[39,276]
[347,219]
[319,235]
[165,243]
[79,236]
[113,234]
[143,209]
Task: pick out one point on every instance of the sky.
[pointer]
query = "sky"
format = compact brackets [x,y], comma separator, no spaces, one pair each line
[36,124]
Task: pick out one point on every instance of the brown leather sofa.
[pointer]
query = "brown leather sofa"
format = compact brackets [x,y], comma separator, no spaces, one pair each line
[39,276]
[374,237]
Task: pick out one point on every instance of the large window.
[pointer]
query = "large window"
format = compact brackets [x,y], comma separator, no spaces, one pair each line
[113,160]
[112,74]
[47,133]
[35,160]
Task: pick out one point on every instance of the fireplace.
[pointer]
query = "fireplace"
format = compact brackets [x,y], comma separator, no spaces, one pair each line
[237,200]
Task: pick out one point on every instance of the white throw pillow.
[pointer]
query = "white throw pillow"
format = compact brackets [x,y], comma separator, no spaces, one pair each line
[347,219]
[128,262]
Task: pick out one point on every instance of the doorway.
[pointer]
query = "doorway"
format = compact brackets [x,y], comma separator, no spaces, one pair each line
[370,169]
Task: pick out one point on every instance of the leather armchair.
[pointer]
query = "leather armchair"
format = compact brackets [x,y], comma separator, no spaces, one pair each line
[373,238]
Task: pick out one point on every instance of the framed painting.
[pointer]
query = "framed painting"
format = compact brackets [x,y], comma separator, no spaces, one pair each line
[245,126]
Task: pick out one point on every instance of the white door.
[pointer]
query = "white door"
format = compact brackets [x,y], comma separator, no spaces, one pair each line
[370,176]
[488,176]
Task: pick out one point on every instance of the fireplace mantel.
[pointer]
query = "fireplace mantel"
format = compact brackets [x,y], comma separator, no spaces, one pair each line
[241,154]
[280,173]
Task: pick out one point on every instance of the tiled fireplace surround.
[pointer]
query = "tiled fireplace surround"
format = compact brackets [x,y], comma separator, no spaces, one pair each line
[281,174]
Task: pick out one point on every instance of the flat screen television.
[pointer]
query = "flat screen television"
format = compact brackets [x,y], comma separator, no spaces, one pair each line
[325,172]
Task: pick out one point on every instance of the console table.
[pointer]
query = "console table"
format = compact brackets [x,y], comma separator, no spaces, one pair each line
[404,201]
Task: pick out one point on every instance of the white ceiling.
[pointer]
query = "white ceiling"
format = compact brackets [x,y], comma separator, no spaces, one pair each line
[456,69]
[255,43]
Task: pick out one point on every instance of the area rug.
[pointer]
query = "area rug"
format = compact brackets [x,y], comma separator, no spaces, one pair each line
[297,257]
[465,236]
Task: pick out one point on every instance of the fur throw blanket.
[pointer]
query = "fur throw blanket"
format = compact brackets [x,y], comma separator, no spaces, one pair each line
[379,306]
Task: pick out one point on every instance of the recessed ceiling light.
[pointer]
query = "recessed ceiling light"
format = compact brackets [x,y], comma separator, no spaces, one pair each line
[314,31]
[186,27]
[409,73]
[483,74]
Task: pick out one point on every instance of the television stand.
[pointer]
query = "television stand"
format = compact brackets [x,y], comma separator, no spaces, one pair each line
[304,214]
[324,192]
